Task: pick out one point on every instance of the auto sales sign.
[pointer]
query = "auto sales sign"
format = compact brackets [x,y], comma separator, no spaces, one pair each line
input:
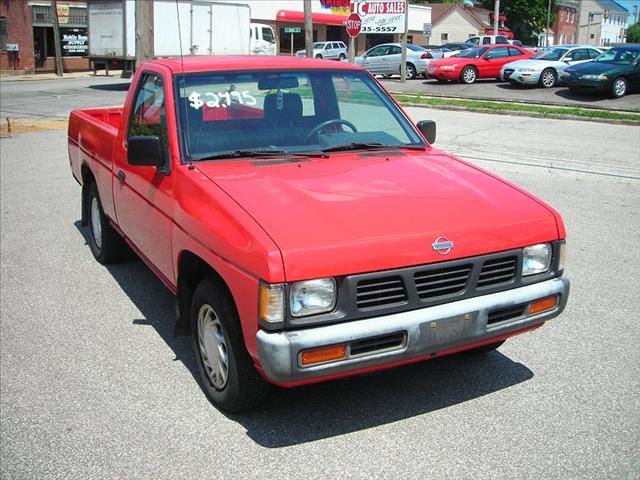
[381,16]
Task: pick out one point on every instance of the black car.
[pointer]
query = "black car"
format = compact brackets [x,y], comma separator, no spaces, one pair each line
[616,71]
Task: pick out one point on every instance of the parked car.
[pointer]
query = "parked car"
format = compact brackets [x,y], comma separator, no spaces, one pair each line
[487,40]
[307,228]
[385,60]
[327,50]
[545,68]
[478,62]
[616,71]
[446,50]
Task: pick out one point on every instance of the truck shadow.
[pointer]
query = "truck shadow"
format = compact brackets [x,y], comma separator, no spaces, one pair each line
[325,410]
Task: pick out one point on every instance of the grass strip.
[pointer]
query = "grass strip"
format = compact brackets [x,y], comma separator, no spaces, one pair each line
[506,107]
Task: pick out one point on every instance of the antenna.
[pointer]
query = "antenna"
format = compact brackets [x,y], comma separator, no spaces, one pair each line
[184,91]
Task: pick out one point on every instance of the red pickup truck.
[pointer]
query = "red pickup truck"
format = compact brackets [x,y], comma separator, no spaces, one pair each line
[307,228]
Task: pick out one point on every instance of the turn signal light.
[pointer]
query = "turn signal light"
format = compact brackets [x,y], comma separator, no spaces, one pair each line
[543,305]
[324,354]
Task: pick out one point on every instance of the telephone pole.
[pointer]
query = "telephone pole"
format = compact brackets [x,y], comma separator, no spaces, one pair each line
[548,22]
[403,52]
[56,37]
[496,17]
[308,29]
[144,31]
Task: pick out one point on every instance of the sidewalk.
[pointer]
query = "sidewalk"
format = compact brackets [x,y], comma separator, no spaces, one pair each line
[52,76]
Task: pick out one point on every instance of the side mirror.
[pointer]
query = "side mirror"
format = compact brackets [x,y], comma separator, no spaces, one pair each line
[428,129]
[146,151]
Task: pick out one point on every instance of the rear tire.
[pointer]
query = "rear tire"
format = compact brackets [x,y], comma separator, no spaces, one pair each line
[319,56]
[228,376]
[548,78]
[619,87]
[468,75]
[484,349]
[105,243]
[410,72]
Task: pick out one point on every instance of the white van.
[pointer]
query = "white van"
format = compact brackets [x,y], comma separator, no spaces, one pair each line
[263,40]
[487,40]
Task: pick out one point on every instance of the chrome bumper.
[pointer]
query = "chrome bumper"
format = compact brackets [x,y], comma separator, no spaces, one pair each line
[426,332]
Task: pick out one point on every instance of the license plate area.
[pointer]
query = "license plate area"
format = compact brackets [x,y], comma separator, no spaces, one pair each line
[452,330]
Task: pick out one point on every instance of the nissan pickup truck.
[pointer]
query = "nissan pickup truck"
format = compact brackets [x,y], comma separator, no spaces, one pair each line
[308,229]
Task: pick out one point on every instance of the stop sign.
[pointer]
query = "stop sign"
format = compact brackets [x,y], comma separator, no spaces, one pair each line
[353,25]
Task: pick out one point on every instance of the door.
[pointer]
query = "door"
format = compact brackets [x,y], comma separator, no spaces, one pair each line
[579,55]
[494,59]
[201,29]
[373,59]
[391,60]
[144,195]
[634,75]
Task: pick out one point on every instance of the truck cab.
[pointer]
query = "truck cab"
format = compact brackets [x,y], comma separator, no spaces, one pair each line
[263,40]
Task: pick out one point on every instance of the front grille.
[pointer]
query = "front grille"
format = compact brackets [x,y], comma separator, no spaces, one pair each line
[374,344]
[380,292]
[507,313]
[497,271]
[442,281]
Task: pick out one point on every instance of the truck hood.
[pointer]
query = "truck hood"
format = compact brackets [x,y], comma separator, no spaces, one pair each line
[354,213]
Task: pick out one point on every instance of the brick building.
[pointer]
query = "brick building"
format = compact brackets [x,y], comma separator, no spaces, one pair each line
[566,24]
[27,35]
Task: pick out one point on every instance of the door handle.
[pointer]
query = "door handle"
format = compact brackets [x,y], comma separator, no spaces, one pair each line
[121,176]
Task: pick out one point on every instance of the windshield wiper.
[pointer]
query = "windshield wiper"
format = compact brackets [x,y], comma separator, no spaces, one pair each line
[259,154]
[369,146]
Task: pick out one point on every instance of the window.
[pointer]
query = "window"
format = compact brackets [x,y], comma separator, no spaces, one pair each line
[500,52]
[473,40]
[148,114]
[394,50]
[377,51]
[486,41]
[579,55]
[3,33]
[444,37]
[501,39]
[593,53]
[267,35]
[335,45]
[514,52]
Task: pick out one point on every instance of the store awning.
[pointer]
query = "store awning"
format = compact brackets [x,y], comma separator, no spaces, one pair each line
[318,18]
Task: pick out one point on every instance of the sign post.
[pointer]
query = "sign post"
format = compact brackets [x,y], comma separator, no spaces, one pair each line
[291,31]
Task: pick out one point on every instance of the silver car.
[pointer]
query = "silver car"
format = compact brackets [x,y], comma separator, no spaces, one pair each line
[327,50]
[385,60]
[546,68]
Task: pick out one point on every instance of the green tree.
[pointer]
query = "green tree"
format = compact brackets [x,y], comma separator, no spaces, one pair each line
[633,33]
[524,17]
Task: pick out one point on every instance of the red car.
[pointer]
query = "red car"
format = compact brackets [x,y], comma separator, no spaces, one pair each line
[473,63]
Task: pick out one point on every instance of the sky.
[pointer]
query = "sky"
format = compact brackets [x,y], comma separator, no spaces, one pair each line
[629,4]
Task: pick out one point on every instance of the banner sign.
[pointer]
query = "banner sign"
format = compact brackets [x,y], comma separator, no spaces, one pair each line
[381,16]
[75,42]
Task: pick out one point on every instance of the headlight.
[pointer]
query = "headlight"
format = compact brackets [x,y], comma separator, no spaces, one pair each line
[271,307]
[448,67]
[595,77]
[536,259]
[312,297]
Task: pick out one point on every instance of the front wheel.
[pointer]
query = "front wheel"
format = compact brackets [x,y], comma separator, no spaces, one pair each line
[619,88]
[468,75]
[548,78]
[410,72]
[228,375]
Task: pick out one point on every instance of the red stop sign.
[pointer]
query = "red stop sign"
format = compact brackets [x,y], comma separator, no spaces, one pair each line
[353,25]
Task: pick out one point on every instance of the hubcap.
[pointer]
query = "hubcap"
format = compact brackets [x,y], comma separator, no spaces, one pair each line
[547,79]
[619,88]
[469,75]
[213,347]
[96,225]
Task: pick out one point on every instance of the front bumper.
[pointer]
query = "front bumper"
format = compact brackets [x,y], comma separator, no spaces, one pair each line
[523,78]
[586,85]
[438,73]
[426,332]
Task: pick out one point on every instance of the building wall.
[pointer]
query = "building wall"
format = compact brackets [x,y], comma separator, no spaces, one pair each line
[18,14]
[598,32]
[611,29]
[565,26]
[457,27]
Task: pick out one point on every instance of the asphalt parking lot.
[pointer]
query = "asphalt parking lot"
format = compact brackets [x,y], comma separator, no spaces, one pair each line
[95,385]
[504,91]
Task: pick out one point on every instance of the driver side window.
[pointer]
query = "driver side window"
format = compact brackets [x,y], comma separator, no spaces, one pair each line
[148,116]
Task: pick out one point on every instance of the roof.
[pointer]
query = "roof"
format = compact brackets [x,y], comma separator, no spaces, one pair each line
[611,6]
[439,11]
[216,63]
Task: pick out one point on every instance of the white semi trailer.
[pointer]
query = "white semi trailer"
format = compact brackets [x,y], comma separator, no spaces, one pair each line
[205,28]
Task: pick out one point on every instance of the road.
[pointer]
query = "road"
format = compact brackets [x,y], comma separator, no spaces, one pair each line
[95,385]
[494,90]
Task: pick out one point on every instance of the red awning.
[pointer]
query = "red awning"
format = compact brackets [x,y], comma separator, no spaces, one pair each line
[501,31]
[318,18]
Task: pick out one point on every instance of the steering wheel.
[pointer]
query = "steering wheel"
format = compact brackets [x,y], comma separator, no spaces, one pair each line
[318,128]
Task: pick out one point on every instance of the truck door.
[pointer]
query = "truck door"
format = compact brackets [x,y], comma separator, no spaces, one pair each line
[143,194]
[201,29]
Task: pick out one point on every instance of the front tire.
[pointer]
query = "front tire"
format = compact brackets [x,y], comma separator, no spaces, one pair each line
[468,75]
[619,87]
[106,245]
[227,373]
[341,57]
[548,78]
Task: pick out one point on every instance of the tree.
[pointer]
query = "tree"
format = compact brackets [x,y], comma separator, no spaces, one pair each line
[633,33]
[524,17]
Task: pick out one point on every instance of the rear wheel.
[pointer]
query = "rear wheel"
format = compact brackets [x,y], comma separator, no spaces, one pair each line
[106,244]
[619,87]
[484,348]
[228,375]
[468,75]
[318,56]
[548,78]
[410,73]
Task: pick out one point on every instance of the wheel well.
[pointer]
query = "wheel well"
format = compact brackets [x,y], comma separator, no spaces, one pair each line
[87,180]
[191,270]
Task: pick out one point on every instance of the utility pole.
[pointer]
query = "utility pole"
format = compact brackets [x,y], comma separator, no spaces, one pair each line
[403,52]
[56,37]
[144,31]
[352,50]
[548,21]
[308,29]
[496,17]
[578,25]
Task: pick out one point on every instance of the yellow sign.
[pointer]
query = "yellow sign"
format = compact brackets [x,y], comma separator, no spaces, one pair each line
[63,14]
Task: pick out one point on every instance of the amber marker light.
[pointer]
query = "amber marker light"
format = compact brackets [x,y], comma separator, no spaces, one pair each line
[324,354]
[543,305]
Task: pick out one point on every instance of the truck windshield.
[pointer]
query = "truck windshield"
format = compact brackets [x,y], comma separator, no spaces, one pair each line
[287,111]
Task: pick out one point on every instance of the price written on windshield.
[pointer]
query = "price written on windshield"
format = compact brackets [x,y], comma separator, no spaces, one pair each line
[220,99]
